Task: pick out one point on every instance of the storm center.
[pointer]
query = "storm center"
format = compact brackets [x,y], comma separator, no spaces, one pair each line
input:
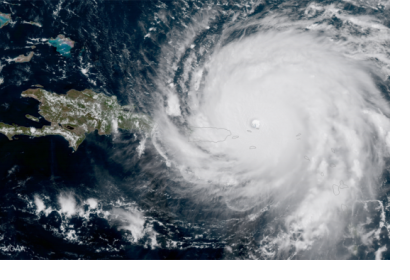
[255,124]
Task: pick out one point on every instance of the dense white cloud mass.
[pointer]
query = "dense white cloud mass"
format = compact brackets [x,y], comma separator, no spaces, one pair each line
[310,128]
[68,204]
[39,204]
[92,202]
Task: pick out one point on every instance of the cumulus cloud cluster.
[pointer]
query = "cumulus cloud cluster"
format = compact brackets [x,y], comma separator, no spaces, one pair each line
[131,220]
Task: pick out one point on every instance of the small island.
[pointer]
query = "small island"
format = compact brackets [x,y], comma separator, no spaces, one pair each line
[76,113]
[4,19]
[33,23]
[22,58]
[30,117]
[63,45]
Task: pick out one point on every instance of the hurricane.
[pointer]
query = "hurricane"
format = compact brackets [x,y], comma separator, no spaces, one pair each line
[306,124]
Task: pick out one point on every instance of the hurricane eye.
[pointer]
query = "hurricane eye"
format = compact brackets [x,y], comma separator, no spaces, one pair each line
[255,123]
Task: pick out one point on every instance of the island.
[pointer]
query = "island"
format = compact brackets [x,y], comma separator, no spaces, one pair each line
[33,23]
[4,19]
[30,117]
[63,45]
[22,58]
[77,113]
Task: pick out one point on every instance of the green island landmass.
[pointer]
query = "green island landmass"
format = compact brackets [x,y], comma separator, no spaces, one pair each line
[76,113]
[30,117]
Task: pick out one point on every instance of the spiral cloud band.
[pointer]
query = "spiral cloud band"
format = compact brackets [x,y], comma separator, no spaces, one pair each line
[289,114]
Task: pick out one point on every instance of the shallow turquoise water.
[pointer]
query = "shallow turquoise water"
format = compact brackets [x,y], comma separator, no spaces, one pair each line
[62,46]
[3,21]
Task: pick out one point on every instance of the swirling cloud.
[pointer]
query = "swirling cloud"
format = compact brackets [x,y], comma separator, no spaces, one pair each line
[310,128]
